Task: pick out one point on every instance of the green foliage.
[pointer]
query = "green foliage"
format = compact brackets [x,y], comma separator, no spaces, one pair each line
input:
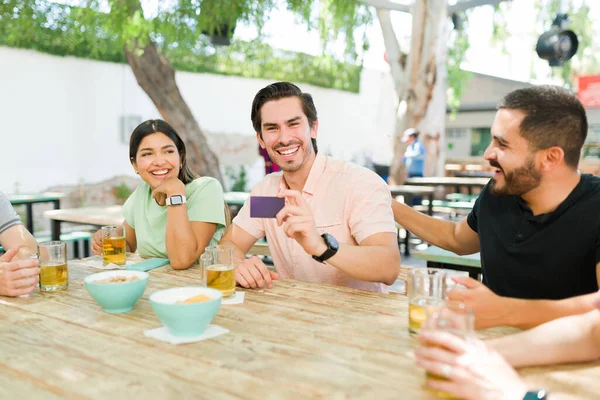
[239,178]
[122,192]
[180,33]
[457,77]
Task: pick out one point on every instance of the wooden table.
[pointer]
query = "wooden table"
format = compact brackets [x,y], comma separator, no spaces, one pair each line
[96,216]
[440,258]
[296,341]
[30,199]
[469,183]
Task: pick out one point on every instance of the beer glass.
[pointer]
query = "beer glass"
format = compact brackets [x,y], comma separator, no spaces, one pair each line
[453,317]
[53,266]
[113,245]
[206,260]
[426,288]
[221,273]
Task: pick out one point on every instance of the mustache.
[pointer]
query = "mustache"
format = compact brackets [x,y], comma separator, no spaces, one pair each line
[292,143]
[494,163]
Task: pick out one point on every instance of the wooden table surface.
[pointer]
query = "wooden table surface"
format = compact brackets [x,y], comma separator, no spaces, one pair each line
[296,341]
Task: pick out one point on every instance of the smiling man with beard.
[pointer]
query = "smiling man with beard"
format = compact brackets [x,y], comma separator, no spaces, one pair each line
[337,225]
[537,223]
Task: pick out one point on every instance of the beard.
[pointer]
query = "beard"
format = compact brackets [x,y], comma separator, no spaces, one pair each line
[517,182]
[287,166]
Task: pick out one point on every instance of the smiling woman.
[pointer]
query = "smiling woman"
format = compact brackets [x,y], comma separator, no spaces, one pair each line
[174,213]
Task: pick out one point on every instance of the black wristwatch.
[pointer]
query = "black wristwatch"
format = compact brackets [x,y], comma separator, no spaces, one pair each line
[332,248]
[536,395]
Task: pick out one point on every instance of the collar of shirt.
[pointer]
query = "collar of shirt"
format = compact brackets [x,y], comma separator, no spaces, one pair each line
[316,171]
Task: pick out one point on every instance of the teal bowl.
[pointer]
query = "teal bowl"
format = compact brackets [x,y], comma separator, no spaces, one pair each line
[116,298]
[185,319]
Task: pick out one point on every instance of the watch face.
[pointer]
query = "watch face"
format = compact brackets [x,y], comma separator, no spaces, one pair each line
[176,200]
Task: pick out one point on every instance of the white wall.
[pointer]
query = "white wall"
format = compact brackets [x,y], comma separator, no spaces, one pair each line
[61,116]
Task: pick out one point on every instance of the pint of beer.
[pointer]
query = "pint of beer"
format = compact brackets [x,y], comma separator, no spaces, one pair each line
[53,266]
[113,245]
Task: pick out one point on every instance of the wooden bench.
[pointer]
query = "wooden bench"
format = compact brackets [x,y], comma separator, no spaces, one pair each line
[440,258]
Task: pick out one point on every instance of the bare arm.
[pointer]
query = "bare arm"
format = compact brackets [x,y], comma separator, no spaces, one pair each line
[18,237]
[185,240]
[493,310]
[571,339]
[458,237]
[376,259]
[130,238]
[239,238]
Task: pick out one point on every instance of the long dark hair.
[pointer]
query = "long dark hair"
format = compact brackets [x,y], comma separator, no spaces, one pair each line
[159,126]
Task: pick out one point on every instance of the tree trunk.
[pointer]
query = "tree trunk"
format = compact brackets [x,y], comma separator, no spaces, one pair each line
[156,77]
[424,71]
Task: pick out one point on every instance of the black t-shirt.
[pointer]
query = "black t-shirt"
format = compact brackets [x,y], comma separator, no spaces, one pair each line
[547,256]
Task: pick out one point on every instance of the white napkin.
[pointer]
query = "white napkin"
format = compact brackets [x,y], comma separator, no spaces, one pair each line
[163,334]
[97,262]
[237,299]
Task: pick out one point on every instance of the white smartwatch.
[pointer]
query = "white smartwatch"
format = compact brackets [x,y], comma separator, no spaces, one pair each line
[175,200]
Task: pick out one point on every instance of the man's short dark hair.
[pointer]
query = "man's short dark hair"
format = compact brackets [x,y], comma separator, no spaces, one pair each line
[554,116]
[278,91]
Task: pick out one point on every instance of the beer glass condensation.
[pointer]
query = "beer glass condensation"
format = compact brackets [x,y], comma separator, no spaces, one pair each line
[426,288]
[54,273]
[113,245]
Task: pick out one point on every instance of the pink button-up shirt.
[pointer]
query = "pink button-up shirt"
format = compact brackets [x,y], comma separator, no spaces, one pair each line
[347,201]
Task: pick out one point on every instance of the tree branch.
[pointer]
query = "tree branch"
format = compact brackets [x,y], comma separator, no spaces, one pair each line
[404,6]
[396,58]
[465,5]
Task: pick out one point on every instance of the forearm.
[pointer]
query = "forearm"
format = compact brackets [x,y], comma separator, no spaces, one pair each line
[180,241]
[437,232]
[241,240]
[527,314]
[570,339]
[368,263]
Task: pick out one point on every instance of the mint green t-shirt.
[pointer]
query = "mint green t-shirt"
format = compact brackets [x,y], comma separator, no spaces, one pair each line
[204,203]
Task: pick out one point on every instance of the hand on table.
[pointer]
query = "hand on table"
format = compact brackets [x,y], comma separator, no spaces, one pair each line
[20,277]
[253,273]
[489,308]
[473,371]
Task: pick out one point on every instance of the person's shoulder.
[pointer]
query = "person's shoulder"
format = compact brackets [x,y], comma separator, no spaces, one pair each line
[353,171]
[142,190]
[268,185]
[204,184]
[592,183]
[355,178]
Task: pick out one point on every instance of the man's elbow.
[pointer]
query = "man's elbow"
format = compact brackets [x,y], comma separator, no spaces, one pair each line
[393,270]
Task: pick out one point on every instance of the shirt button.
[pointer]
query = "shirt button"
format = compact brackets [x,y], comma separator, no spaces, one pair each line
[519,236]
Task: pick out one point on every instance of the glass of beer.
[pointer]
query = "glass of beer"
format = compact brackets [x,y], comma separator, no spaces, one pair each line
[453,317]
[426,288]
[53,266]
[113,245]
[221,273]
[206,260]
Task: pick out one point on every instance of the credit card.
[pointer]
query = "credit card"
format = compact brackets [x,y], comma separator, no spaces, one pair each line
[265,206]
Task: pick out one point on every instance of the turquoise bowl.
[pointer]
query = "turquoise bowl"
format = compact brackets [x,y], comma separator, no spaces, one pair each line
[185,319]
[116,298]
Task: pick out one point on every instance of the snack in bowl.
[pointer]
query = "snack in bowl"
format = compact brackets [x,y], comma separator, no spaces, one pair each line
[116,291]
[184,310]
[118,279]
